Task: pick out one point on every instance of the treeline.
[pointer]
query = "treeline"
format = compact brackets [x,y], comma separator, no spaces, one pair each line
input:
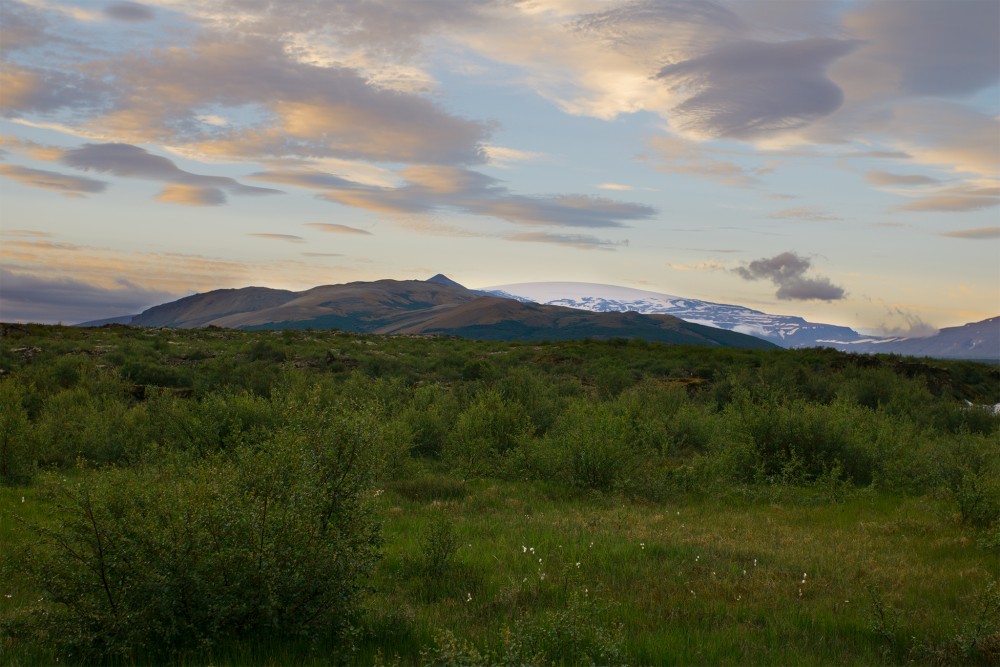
[217,484]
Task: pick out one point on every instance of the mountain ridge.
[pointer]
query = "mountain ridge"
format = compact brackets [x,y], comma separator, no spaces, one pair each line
[438,306]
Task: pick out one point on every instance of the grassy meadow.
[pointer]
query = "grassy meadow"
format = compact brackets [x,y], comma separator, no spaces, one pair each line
[310,497]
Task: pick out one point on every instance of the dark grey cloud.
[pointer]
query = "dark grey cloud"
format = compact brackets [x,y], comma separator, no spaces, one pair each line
[131,161]
[31,297]
[131,12]
[66,184]
[749,89]
[787,272]
[936,48]
[430,188]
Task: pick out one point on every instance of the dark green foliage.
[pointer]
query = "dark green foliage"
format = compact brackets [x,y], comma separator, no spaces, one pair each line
[490,427]
[438,546]
[17,464]
[276,539]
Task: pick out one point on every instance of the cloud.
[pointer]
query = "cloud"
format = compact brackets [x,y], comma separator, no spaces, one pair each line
[290,238]
[978,234]
[956,199]
[787,272]
[174,273]
[334,228]
[24,233]
[65,184]
[37,297]
[429,188]
[21,27]
[579,241]
[928,48]
[681,156]
[615,186]
[806,213]
[33,89]
[32,149]
[322,254]
[905,324]
[183,187]
[880,178]
[131,12]
[299,109]
[752,88]
[501,156]
[700,266]
[191,195]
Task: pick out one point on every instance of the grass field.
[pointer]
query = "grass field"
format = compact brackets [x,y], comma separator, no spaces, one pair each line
[557,504]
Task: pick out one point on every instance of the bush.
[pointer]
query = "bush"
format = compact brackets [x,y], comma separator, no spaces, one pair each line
[17,462]
[600,445]
[486,431]
[274,540]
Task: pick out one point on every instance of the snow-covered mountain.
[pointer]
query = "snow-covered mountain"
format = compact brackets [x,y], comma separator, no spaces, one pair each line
[783,330]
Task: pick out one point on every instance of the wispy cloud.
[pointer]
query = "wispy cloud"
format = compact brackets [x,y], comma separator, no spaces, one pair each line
[579,241]
[804,213]
[430,188]
[134,162]
[880,178]
[335,228]
[290,238]
[980,233]
[191,195]
[65,184]
[956,199]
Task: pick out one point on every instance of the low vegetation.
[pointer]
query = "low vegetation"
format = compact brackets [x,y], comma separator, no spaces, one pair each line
[312,497]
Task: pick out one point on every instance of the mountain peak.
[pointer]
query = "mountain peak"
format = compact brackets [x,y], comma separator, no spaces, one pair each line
[441,279]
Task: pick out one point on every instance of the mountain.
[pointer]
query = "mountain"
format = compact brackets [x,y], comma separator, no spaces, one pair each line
[437,306]
[199,310]
[783,330]
[976,340]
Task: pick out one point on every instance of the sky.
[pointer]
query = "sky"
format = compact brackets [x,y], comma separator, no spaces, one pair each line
[834,159]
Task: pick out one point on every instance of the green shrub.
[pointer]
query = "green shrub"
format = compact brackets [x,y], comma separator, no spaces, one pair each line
[276,540]
[573,635]
[438,545]
[600,445]
[489,428]
[17,460]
